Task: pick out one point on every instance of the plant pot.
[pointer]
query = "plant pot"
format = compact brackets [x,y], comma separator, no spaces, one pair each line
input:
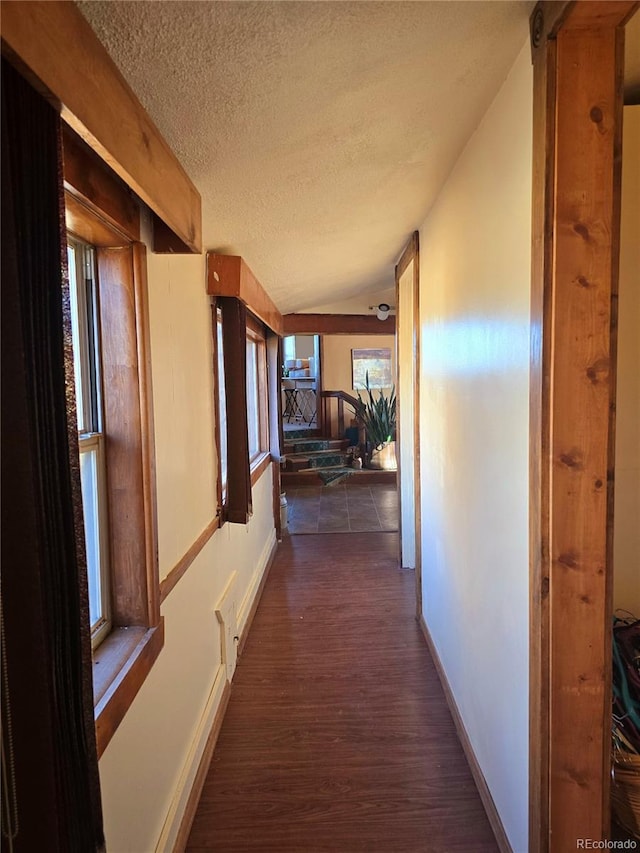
[384,459]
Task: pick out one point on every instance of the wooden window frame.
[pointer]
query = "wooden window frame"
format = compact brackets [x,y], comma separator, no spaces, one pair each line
[231,282]
[256,334]
[234,498]
[100,211]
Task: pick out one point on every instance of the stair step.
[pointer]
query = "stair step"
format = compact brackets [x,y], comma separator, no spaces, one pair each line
[366,476]
[300,433]
[309,445]
[316,459]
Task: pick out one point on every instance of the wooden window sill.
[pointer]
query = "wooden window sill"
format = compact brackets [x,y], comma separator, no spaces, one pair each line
[120,665]
[259,466]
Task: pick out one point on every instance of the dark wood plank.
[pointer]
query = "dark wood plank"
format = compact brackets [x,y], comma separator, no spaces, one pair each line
[90,180]
[337,736]
[338,324]
[230,275]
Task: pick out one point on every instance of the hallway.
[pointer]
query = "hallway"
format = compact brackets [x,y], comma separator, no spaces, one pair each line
[337,736]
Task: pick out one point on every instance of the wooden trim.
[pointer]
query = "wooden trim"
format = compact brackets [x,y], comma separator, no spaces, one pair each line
[541,257]
[229,275]
[409,253]
[260,467]
[476,771]
[234,342]
[53,45]
[416,423]
[117,699]
[147,430]
[256,599]
[93,183]
[338,324]
[180,568]
[201,774]
[80,221]
[577,143]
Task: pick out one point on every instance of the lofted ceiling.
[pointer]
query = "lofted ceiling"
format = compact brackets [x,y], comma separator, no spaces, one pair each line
[318,133]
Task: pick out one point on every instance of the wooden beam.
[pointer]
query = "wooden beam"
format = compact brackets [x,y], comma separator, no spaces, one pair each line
[544,21]
[576,188]
[229,275]
[88,179]
[56,49]
[338,324]
[582,377]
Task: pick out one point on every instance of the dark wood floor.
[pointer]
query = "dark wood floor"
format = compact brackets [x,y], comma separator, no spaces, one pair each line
[337,736]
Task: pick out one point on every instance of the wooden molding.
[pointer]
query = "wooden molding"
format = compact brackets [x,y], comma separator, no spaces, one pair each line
[201,774]
[229,275]
[476,770]
[338,324]
[53,45]
[180,568]
[119,695]
[410,252]
[261,467]
[91,182]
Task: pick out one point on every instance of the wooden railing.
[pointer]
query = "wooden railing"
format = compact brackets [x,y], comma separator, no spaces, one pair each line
[334,427]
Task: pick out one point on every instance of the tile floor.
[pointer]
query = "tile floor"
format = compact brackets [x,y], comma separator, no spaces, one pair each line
[346,508]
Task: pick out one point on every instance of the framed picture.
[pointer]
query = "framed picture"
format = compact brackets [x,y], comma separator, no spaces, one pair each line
[374,362]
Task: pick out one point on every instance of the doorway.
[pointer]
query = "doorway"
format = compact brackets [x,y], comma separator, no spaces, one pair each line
[301,382]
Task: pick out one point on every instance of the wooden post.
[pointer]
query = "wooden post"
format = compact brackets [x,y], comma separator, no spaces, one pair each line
[578,52]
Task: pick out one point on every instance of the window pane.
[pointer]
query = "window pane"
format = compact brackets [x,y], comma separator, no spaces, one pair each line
[76,338]
[222,410]
[253,399]
[90,505]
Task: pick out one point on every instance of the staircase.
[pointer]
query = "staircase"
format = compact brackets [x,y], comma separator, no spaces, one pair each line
[309,454]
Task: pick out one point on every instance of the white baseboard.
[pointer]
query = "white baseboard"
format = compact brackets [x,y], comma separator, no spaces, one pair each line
[476,770]
[247,602]
[173,821]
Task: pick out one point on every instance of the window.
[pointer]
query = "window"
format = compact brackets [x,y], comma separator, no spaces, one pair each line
[87,373]
[221,426]
[109,320]
[257,396]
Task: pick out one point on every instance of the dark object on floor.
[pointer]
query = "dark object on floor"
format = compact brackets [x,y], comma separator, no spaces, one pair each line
[337,475]
[625,790]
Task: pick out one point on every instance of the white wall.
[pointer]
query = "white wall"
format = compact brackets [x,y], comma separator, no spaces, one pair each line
[147,769]
[474,317]
[626,539]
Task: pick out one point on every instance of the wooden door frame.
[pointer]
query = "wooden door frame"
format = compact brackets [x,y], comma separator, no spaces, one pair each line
[577,52]
[411,253]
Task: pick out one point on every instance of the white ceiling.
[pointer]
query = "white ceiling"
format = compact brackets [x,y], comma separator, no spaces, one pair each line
[318,133]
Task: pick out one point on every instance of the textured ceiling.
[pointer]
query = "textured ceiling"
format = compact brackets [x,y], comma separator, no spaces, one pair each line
[318,133]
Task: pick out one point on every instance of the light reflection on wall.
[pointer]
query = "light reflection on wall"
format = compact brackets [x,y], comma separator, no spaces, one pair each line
[473,347]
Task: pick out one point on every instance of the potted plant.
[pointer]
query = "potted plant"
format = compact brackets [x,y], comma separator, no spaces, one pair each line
[378,416]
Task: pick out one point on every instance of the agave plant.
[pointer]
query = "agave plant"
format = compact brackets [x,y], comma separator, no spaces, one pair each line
[378,416]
